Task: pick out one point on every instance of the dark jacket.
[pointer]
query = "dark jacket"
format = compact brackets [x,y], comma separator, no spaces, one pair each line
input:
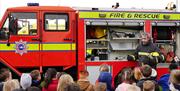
[35,83]
[164,82]
[19,89]
[177,87]
[1,86]
[106,78]
[146,59]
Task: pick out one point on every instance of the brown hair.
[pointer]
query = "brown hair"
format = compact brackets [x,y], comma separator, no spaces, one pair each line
[83,74]
[146,70]
[4,74]
[148,86]
[72,87]
[127,75]
[35,74]
[49,75]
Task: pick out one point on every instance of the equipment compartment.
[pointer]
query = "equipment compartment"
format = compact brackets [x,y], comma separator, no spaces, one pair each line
[106,42]
[165,38]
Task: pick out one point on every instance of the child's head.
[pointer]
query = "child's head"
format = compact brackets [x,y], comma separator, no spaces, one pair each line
[83,74]
[148,86]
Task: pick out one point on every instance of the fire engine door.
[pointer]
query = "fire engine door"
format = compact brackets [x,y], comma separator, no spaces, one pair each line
[58,39]
[21,49]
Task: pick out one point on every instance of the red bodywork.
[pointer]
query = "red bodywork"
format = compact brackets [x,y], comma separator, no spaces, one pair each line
[40,58]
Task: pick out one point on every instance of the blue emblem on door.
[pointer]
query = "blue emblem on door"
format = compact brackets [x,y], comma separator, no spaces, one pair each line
[21,47]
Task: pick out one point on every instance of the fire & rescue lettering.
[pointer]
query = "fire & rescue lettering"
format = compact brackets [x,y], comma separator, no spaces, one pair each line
[134,15]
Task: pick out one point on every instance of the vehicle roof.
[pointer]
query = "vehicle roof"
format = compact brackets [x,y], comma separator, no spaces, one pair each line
[38,8]
[122,9]
[65,8]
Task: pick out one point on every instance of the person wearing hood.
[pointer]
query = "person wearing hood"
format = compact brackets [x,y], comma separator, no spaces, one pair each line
[83,81]
[147,52]
[105,77]
[25,82]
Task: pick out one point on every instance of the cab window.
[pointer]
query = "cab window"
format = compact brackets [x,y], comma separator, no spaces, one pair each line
[25,23]
[56,22]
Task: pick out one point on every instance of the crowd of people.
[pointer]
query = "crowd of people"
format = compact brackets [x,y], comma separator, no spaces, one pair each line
[54,81]
[144,79]
[129,79]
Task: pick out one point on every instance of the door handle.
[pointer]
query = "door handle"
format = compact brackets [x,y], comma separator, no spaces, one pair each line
[36,39]
[68,39]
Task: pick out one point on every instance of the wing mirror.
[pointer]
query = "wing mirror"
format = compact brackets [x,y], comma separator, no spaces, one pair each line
[13,25]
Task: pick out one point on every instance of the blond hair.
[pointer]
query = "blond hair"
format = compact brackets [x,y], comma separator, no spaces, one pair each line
[10,85]
[64,80]
[137,73]
[175,76]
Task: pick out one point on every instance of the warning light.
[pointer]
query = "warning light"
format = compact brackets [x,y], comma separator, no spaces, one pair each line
[32,4]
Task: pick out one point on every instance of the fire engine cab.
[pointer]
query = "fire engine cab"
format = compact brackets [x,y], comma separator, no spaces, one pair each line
[72,39]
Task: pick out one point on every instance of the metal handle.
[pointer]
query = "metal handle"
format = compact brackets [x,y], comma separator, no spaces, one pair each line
[36,39]
[68,39]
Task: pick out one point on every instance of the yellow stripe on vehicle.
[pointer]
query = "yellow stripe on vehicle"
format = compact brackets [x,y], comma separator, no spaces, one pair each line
[58,47]
[33,47]
[130,15]
[73,46]
[4,47]
[12,47]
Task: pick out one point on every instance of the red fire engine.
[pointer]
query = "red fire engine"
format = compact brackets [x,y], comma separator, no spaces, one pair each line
[71,39]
